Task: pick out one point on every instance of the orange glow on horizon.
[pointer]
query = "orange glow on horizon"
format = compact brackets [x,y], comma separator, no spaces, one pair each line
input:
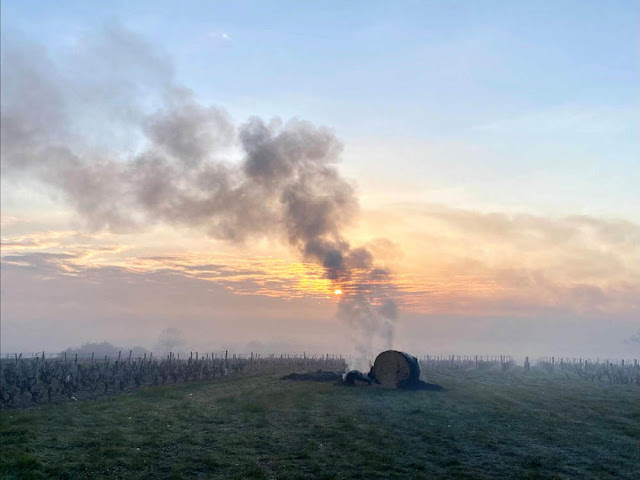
[494,279]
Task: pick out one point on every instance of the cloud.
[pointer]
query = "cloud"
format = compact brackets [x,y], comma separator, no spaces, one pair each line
[461,261]
[456,262]
[524,279]
[8,220]
[564,119]
[50,301]
[53,300]
[224,36]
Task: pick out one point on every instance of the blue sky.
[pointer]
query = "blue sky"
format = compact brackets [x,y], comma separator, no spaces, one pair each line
[536,96]
[444,64]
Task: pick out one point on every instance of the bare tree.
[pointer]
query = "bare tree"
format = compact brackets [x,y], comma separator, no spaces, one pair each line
[170,339]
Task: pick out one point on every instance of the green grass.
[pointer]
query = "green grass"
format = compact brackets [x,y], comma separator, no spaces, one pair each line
[485,425]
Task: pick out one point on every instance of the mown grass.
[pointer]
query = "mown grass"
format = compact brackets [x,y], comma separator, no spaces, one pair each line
[485,425]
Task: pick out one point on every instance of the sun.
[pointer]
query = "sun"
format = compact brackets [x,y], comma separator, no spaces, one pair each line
[338,292]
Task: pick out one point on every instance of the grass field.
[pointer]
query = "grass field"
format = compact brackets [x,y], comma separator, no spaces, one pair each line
[485,425]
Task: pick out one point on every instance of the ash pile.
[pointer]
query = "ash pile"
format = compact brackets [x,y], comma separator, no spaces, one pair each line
[392,369]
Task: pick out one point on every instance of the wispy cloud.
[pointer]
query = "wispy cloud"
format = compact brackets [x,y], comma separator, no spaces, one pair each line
[7,220]
[564,119]
[455,261]
[219,35]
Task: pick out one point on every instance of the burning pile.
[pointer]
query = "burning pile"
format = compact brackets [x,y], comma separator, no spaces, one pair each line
[393,369]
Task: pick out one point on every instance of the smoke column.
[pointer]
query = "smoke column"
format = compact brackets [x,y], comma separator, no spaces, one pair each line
[286,183]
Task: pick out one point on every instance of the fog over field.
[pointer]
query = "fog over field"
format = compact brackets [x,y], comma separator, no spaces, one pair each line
[150,179]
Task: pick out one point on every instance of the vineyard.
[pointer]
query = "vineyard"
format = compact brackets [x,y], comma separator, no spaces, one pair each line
[38,379]
[601,371]
[494,421]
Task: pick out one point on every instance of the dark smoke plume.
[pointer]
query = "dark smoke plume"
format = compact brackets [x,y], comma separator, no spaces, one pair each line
[285,184]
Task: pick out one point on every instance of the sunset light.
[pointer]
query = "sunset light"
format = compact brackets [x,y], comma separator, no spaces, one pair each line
[236,209]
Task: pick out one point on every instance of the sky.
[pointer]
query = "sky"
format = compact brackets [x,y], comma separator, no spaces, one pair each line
[201,165]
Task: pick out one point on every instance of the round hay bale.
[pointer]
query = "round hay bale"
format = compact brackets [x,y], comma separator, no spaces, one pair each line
[392,368]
